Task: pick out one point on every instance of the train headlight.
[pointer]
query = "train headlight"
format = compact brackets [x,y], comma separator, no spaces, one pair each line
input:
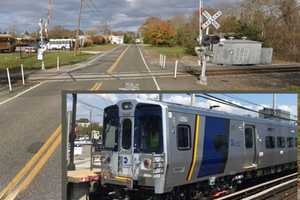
[127,106]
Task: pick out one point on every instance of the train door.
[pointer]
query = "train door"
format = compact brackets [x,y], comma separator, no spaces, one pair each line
[125,151]
[250,146]
[182,129]
[215,146]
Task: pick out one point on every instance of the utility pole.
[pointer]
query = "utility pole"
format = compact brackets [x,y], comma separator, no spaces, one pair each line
[49,17]
[200,22]
[274,102]
[78,28]
[72,134]
[193,99]
[201,50]
[274,105]
[160,97]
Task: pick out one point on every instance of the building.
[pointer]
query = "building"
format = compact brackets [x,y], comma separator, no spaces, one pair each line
[139,41]
[84,123]
[117,39]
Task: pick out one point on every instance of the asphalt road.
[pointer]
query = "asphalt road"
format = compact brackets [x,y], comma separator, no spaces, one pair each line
[28,121]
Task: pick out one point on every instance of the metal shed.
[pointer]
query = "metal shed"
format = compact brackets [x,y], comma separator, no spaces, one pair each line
[237,52]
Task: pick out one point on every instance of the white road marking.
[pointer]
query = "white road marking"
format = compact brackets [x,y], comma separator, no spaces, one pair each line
[153,77]
[20,94]
[93,60]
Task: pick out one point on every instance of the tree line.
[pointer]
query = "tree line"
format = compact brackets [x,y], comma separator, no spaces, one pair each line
[276,23]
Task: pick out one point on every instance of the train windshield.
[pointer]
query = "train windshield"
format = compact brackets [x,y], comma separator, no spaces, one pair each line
[110,127]
[148,129]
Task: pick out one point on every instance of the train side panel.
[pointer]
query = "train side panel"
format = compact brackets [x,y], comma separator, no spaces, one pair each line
[238,156]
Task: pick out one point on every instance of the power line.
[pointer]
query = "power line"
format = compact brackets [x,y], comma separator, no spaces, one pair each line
[250,102]
[243,100]
[222,101]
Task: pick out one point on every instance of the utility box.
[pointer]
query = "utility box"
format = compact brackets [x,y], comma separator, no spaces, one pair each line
[237,52]
[266,56]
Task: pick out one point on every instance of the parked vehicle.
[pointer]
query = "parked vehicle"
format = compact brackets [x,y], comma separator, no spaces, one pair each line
[7,43]
[60,44]
[30,49]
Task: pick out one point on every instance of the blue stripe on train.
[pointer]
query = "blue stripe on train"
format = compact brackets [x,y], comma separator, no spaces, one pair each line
[215,148]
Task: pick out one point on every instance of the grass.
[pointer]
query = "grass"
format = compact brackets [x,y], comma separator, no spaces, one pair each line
[104,47]
[12,60]
[168,51]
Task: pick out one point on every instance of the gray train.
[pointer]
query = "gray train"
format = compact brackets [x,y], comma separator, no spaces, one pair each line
[173,151]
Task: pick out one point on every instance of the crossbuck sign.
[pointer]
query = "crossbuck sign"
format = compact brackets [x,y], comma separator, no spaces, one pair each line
[211,19]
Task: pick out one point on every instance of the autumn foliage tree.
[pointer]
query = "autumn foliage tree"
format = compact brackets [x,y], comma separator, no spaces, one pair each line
[158,32]
[276,23]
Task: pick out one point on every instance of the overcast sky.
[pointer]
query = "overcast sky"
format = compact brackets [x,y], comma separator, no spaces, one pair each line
[286,102]
[120,14]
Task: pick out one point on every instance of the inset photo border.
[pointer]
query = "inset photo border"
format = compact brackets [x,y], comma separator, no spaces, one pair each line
[139,145]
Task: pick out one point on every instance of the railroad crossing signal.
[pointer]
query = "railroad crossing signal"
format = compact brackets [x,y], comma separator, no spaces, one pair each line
[211,20]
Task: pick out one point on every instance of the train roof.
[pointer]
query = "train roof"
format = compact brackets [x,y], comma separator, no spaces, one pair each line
[213,112]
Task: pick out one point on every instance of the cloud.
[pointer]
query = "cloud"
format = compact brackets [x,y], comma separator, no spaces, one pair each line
[121,14]
[103,100]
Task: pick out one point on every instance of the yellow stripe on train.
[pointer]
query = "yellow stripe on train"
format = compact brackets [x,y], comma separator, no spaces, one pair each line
[195,150]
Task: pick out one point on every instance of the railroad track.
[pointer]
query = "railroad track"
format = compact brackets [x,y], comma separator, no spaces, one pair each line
[249,70]
[52,76]
[280,188]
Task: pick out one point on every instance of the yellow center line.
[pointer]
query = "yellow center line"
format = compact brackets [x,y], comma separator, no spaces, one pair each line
[14,187]
[30,163]
[97,86]
[94,86]
[37,168]
[114,66]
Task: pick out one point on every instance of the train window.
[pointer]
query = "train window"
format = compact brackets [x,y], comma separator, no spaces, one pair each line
[183,137]
[270,142]
[280,142]
[148,129]
[110,127]
[126,134]
[290,142]
[296,142]
[249,137]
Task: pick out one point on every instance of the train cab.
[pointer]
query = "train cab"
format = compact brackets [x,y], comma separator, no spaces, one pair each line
[133,145]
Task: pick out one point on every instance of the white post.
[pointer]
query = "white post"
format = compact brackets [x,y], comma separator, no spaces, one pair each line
[22,71]
[43,65]
[176,66]
[165,58]
[203,78]
[160,60]
[8,77]
[57,63]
